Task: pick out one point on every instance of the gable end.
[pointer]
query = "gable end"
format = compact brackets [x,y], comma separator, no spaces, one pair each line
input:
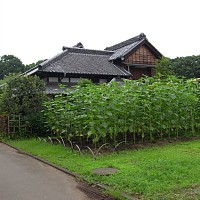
[142,55]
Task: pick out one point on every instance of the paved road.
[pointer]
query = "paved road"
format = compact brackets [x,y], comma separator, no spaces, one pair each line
[24,178]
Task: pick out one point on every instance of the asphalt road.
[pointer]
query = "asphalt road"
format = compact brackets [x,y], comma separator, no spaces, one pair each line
[24,178]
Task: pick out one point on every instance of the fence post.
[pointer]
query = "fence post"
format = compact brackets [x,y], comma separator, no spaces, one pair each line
[4,124]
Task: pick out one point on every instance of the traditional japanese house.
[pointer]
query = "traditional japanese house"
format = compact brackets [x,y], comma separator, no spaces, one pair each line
[130,59]
[136,55]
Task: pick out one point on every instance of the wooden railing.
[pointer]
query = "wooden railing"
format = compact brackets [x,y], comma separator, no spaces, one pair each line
[17,125]
[14,125]
[4,124]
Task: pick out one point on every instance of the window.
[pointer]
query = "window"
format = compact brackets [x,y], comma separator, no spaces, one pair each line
[53,79]
[74,80]
[65,80]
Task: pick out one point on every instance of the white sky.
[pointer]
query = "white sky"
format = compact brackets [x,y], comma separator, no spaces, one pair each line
[38,29]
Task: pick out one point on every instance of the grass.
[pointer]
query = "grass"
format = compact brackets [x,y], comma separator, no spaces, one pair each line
[163,172]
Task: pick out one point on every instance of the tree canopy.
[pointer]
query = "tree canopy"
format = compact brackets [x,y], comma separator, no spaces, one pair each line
[188,66]
[10,64]
[163,68]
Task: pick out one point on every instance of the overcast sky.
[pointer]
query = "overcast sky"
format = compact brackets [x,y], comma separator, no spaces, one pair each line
[38,29]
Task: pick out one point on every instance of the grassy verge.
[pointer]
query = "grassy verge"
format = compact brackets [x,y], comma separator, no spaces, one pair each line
[166,172]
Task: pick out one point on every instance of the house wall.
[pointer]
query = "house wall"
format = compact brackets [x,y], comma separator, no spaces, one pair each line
[140,62]
[139,72]
[57,78]
[141,56]
[153,72]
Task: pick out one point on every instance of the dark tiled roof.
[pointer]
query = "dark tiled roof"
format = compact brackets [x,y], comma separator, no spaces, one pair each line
[126,42]
[124,50]
[83,61]
[80,61]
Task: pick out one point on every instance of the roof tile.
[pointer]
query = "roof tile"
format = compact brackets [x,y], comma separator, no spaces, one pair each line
[126,42]
[124,50]
[83,61]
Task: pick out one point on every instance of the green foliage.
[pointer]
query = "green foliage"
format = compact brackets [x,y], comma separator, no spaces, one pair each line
[2,137]
[84,82]
[139,110]
[188,67]
[8,78]
[24,96]
[10,64]
[163,68]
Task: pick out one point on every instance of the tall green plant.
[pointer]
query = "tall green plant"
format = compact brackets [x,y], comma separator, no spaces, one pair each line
[142,110]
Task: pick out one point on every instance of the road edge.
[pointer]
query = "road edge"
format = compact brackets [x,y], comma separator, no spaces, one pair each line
[44,161]
[75,175]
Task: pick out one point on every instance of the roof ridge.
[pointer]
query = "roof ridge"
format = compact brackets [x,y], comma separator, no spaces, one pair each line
[87,54]
[65,48]
[88,51]
[121,52]
[126,42]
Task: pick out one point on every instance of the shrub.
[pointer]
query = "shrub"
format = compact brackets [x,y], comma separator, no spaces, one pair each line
[24,96]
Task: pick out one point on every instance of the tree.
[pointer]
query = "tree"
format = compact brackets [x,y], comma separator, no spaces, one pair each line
[163,68]
[188,66]
[24,96]
[10,64]
[8,78]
